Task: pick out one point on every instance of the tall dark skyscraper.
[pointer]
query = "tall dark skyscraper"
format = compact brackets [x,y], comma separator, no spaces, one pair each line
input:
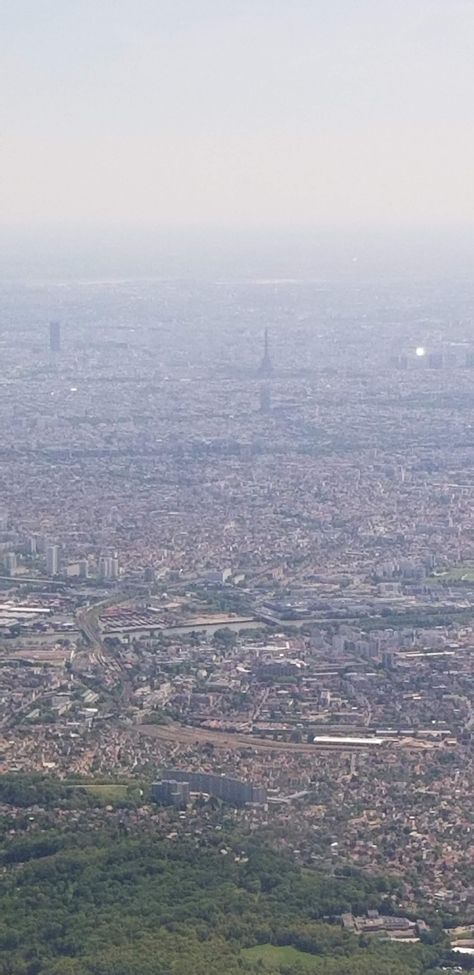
[266,368]
[55,336]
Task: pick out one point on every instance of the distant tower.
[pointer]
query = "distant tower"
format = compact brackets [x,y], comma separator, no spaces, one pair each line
[265,399]
[114,567]
[83,569]
[266,368]
[55,337]
[11,563]
[104,567]
[52,560]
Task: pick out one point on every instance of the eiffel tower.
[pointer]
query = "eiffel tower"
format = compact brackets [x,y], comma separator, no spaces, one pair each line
[265,369]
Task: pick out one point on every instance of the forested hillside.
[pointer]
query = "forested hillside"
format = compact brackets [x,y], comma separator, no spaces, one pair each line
[85,903]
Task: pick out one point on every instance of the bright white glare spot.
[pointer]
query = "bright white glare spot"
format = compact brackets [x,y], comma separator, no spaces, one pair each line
[420,350]
[73,389]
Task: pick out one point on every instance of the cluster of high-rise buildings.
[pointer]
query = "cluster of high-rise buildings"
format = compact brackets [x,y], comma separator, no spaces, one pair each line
[109,566]
[36,555]
[51,554]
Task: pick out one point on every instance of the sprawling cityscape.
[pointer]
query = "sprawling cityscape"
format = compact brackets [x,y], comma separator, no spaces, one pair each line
[236,487]
[238,562]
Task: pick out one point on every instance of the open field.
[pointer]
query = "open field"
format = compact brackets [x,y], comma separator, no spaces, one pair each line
[108,792]
[273,958]
[461,573]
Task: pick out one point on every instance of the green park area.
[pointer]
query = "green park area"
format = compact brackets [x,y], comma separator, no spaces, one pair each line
[271,958]
[458,573]
[110,792]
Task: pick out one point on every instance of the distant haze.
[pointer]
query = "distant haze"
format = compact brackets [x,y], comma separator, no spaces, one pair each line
[244,113]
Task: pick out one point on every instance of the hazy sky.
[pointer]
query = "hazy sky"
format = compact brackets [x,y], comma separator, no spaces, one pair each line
[248,112]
